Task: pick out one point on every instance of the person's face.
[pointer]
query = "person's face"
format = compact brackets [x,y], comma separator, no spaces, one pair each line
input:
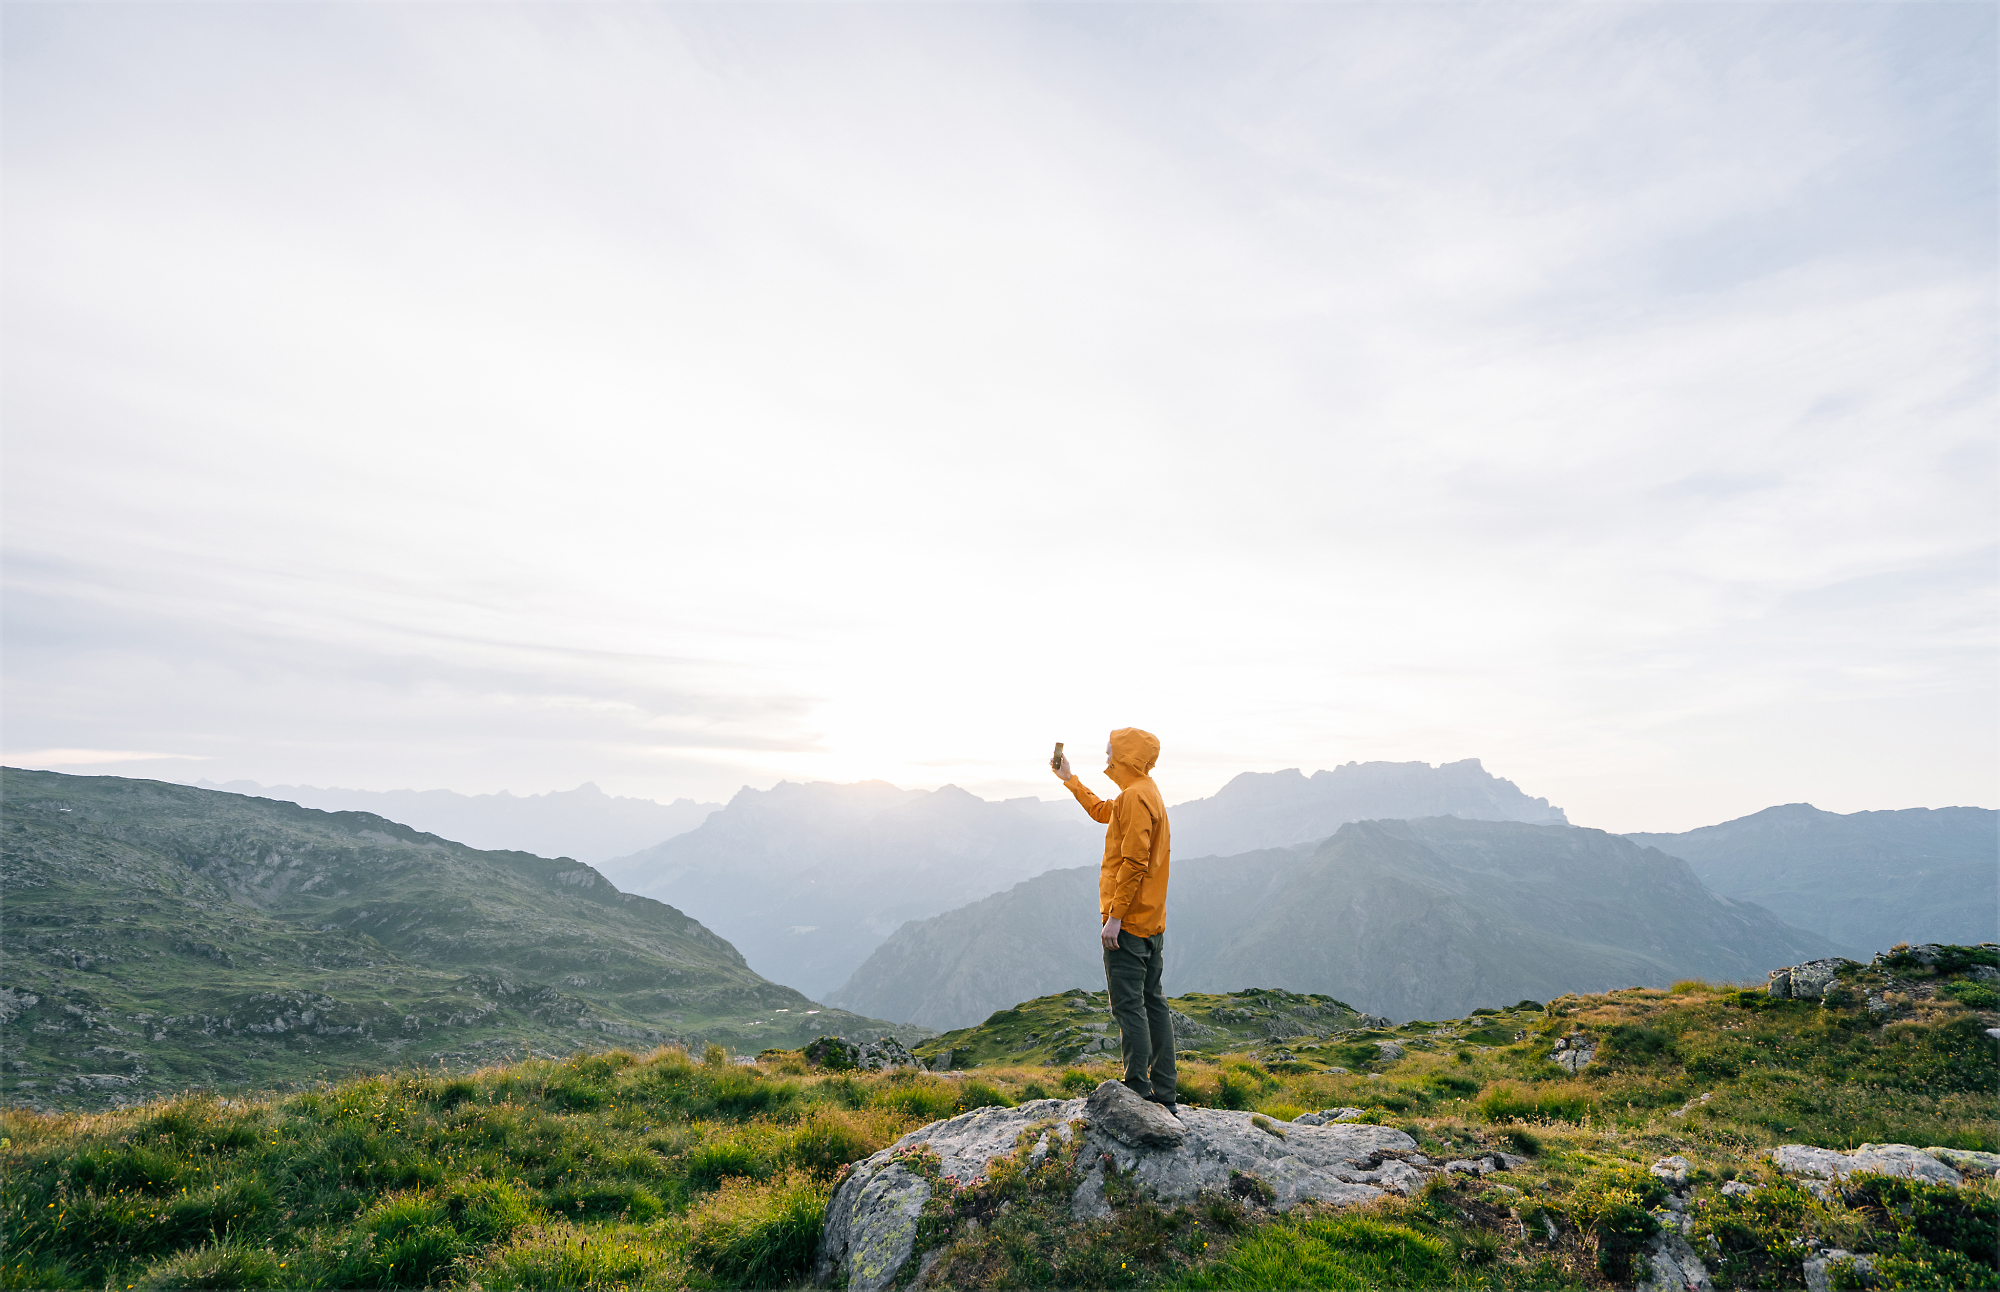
[1107,751]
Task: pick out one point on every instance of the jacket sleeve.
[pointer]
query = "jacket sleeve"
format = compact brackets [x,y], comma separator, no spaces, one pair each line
[1132,826]
[1100,811]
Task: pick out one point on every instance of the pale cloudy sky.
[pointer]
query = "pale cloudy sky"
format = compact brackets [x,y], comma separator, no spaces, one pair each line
[483,396]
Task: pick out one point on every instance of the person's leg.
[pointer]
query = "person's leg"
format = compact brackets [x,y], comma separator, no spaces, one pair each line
[1159,1023]
[1125,980]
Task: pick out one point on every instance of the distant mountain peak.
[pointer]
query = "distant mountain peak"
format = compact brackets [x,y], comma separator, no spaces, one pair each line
[1282,808]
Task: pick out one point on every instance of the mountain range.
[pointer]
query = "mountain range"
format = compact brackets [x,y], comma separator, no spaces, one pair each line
[1863,879]
[156,936]
[1278,809]
[584,823]
[808,879]
[1411,919]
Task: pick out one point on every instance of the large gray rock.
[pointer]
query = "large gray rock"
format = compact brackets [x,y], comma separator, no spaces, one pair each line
[871,1221]
[1819,1269]
[1673,1266]
[1114,1109]
[1967,1160]
[1887,1159]
[1808,981]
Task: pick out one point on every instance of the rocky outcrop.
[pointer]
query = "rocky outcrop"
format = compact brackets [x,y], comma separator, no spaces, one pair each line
[1573,1051]
[1672,1264]
[1809,981]
[870,1228]
[843,1055]
[1886,1159]
[1325,1115]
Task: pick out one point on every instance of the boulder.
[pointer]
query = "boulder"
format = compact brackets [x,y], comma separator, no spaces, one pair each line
[1967,1160]
[1809,981]
[1673,1266]
[1573,1051]
[1819,1269]
[1886,1159]
[1673,1170]
[843,1055]
[870,1226]
[1119,1112]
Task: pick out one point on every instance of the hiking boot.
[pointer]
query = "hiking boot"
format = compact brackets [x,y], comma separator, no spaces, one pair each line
[1168,1104]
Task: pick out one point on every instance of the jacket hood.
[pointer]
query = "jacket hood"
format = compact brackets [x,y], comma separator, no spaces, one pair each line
[1134,750]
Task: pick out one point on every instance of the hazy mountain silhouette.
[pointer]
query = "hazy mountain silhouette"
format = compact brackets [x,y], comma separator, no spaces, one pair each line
[807,879]
[1863,879]
[584,823]
[1279,809]
[1427,918]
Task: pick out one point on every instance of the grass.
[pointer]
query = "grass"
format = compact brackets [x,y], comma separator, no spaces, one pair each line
[627,1170]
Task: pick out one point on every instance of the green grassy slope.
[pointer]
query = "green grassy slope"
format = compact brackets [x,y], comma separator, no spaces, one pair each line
[157,936]
[1077,1023]
[657,1171]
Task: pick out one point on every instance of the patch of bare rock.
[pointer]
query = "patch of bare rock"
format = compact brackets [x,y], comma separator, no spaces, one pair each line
[871,1221]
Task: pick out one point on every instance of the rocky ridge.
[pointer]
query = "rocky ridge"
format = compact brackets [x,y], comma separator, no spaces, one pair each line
[1114,1139]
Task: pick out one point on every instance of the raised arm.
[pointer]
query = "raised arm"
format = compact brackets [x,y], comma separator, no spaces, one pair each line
[1100,811]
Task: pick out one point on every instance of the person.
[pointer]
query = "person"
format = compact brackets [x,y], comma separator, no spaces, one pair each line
[1132,903]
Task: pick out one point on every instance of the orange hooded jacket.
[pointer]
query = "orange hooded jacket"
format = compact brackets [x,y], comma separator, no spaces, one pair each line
[1132,885]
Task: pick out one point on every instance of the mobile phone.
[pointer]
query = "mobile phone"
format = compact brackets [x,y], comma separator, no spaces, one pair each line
[1055,759]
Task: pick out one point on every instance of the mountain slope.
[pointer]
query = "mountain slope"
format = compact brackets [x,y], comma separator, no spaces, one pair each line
[808,879]
[584,823]
[1279,809]
[1863,879]
[1408,919]
[157,935]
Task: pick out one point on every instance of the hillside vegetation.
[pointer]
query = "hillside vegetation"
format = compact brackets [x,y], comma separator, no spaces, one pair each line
[622,1170]
[157,936]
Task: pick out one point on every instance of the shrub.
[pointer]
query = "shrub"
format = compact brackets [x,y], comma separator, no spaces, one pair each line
[1341,1252]
[1033,1091]
[1632,1043]
[1455,1085]
[560,1256]
[978,1094]
[1514,1100]
[221,1265]
[745,1151]
[1972,995]
[759,1235]
[1621,1230]
[1075,1081]
[925,1100]
[825,1141]
[605,1200]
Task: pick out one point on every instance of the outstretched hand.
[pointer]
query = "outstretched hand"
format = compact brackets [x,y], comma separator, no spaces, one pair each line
[1062,769]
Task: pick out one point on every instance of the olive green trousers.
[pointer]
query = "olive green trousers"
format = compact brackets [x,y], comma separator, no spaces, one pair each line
[1145,1029]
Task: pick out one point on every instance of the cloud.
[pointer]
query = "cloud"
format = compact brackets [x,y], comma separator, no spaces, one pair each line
[39,758]
[674,397]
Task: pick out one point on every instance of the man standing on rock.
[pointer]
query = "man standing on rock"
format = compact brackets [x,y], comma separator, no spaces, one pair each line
[1132,902]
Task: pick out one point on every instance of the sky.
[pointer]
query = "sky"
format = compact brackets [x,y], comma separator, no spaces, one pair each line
[502,397]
